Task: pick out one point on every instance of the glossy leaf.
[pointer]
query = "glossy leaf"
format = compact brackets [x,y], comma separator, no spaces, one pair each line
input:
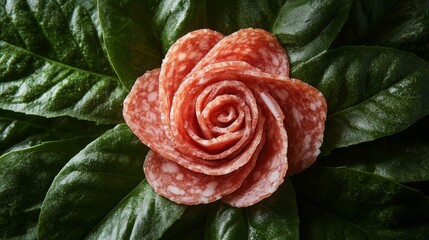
[35,85]
[143,214]
[65,31]
[138,33]
[25,178]
[402,24]
[53,63]
[319,224]
[228,16]
[363,203]
[308,27]
[18,131]
[91,184]
[13,131]
[371,92]
[190,226]
[225,222]
[400,158]
[130,37]
[273,218]
[175,18]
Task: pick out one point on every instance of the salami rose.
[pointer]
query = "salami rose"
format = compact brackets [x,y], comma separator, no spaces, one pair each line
[224,120]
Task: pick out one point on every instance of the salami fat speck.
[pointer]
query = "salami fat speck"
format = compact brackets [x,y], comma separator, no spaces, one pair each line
[224,120]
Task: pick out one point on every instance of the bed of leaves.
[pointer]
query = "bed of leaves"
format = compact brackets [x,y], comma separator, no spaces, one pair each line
[71,169]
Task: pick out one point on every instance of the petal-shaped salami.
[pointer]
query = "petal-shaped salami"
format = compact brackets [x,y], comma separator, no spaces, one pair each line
[188,187]
[257,47]
[305,114]
[180,59]
[230,121]
[142,114]
[226,94]
[303,105]
[271,165]
[185,104]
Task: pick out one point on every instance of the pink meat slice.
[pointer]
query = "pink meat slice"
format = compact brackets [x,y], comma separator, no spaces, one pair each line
[184,121]
[202,152]
[186,117]
[142,114]
[305,112]
[256,47]
[184,186]
[180,59]
[304,106]
[272,163]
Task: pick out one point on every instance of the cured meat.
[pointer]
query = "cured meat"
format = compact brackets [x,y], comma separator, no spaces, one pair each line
[256,47]
[185,121]
[184,186]
[305,116]
[142,114]
[178,62]
[272,164]
[224,120]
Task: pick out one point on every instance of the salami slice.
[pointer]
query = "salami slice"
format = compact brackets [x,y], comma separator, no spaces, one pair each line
[180,59]
[142,114]
[272,163]
[184,186]
[305,116]
[303,105]
[223,119]
[256,47]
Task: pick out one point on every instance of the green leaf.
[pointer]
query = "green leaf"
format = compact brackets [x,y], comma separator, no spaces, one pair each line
[143,214]
[18,131]
[130,37]
[402,24]
[228,16]
[225,222]
[371,92]
[65,31]
[25,178]
[35,85]
[319,224]
[363,203]
[175,18]
[222,16]
[91,184]
[273,218]
[138,33]
[305,28]
[190,226]
[403,159]
[13,131]
[308,27]
[53,64]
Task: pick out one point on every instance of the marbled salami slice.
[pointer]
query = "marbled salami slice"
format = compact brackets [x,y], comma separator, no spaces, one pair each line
[187,101]
[256,47]
[305,116]
[224,120]
[303,105]
[184,186]
[180,59]
[142,114]
[192,120]
[272,163]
